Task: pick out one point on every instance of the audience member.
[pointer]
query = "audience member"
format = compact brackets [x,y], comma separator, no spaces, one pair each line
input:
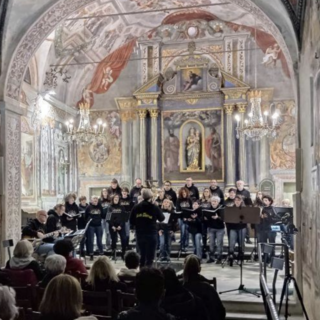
[149,291]
[180,302]
[65,248]
[62,300]
[194,282]
[132,260]
[22,259]
[8,309]
[54,265]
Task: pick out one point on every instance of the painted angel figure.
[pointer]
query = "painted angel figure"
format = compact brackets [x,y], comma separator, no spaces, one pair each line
[271,55]
[107,78]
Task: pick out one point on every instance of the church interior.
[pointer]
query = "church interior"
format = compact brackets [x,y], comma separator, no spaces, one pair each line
[100,95]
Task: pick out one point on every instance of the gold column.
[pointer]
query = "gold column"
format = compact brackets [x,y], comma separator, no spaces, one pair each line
[142,113]
[242,108]
[154,143]
[230,169]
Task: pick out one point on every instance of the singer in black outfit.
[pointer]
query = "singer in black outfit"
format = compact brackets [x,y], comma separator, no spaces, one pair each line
[205,203]
[128,204]
[82,222]
[216,191]
[144,217]
[70,221]
[268,218]
[170,193]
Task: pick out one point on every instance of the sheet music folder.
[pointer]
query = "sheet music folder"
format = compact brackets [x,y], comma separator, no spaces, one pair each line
[242,215]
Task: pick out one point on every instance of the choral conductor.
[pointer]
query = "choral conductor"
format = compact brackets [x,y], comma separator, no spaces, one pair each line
[144,217]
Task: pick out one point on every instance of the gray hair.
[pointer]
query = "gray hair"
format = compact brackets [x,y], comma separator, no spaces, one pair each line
[94,197]
[215,198]
[55,264]
[146,194]
[8,309]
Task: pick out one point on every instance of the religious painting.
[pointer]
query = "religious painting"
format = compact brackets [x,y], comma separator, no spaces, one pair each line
[192,79]
[192,145]
[27,165]
[272,54]
[102,157]
[283,147]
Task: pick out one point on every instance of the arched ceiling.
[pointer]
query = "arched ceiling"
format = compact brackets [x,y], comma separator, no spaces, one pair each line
[84,31]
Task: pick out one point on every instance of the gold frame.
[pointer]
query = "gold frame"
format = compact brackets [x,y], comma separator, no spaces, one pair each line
[222,141]
[202,145]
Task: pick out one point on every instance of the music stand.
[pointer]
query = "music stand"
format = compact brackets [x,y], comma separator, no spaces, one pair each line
[241,215]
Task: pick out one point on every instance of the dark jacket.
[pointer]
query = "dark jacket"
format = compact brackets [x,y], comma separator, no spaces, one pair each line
[229,202]
[245,194]
[112,192]
[171,195]
[53,222]
[171,225]
[159,202]
[194,192]
[33,265]
[265,224]
[32,228]
[141,312]
[82,219]
[46,279]
[96,214]
[135,193]
[183,203]
[205,204]
[115,214]
[127,203]
[144,217]
[209,297]
[215,223]
[217,192]
[194,224]
[182,304]
[71,209]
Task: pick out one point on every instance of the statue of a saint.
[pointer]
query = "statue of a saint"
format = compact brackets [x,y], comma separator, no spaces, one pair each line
[193,145]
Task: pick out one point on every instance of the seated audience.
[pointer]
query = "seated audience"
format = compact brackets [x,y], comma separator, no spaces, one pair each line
[62,300]
[149,291]
[132,260]
[65,248]
[54,265]
[103,277]
[193,282]
[180,302]
[8,309]
[22,259]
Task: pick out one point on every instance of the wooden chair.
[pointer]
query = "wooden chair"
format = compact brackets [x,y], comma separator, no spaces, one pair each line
[81,277]
[25,297]
[125,300]
[20,278]
[98,302]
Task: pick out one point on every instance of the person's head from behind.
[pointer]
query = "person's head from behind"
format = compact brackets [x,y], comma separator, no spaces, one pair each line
[147,194]
[62,298]
[23,249]
[191,267]
[55,264]
[63,247]
[102,269]
[149,286]
[8,309]
[140,199]
[171,281]
[132,260]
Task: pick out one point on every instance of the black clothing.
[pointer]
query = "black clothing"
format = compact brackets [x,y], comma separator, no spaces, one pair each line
[236,226]
[33,265]
[53,222]
[217,192]
[209,297]
[143,312]
[127,203]
[147,244]
[183,203]
[171,225]
[46,279]
[104,202]
[96,214]
[112,192]
[194,224]
[265,224]
[144,217]
[115,212]
[245,194]
[194,192]
[82,219]
[205,204]
[32,228]
[182,304]
[73,210]
[171,195]
[159,202]
[229,202]
[54,317]
[215,223]
[135,193]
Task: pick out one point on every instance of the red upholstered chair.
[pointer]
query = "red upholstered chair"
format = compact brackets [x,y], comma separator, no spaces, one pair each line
[20,278]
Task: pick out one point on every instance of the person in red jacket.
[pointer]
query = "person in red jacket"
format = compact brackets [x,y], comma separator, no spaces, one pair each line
[65,248]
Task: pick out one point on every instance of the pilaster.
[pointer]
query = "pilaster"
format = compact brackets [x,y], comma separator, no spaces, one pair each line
[142,113]
[242,108]
[154,143]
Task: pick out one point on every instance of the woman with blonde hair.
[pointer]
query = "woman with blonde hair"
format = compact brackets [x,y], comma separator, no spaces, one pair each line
[8,309]
[62,299]
[22,259]
[103,276]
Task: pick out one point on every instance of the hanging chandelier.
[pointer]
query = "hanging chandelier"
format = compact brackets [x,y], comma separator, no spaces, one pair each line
[84,134]
[258,124]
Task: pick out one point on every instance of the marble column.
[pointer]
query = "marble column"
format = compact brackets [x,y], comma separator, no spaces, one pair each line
[230,169]
[242,107]
[10,172]
[125,116]
[264,159]
[154,145]
[143,156]
[135,149]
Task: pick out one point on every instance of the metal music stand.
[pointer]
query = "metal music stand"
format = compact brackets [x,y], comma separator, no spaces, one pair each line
[242,215]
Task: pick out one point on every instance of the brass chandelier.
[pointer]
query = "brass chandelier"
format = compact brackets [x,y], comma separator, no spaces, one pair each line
[84,133]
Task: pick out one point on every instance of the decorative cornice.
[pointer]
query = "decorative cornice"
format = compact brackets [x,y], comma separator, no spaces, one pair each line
[126,103]
[235,93]
[186,96]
